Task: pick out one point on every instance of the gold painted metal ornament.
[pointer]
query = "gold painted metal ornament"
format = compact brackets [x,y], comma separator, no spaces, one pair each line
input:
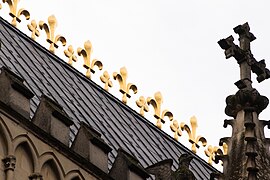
[124,87]
[193,138]
[225,148]
[105,78]
[16,14]
[175,127]
[50,31]
[156,103]
[88,65]
[142,104]
[69,52]
[33,28]
[211,153]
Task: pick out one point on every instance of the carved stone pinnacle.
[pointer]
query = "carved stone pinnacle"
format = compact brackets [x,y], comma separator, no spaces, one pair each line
[245,99]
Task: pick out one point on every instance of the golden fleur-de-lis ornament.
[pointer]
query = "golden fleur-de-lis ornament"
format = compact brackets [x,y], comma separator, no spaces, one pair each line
[70,54]
[124,87]
[193,138]
[88,64]
[50,32]
[142,104]
[225,148]
[105,78]
[33,28]
[211,153]
[16,14]
[156,103]
[175,127]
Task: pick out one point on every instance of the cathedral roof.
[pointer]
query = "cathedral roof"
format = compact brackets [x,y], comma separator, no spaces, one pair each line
[85,101]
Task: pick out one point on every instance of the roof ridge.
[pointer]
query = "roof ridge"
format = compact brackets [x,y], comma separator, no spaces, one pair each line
[98,88]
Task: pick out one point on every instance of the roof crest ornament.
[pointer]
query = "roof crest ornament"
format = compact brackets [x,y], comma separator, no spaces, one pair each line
[175,127]
[156,103]
[193,138]
[88,65]
[14,13]
[33,28]
[69,52]
[50,30]
[142,104]
[105,78]
[124,87]
[212,151]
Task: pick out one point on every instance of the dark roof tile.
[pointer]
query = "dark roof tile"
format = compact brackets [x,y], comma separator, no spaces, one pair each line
[83,100]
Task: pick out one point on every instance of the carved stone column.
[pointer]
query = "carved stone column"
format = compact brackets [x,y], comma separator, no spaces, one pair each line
[9,165]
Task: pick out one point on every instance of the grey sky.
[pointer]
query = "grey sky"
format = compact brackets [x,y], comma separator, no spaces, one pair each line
[166,45]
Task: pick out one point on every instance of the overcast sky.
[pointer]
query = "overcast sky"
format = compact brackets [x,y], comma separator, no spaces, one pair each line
[166,45]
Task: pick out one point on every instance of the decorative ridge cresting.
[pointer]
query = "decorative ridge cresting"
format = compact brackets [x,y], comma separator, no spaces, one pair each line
[124,86]
[193,138]
[13,4]
[50,32]
[159,114]
[89,64]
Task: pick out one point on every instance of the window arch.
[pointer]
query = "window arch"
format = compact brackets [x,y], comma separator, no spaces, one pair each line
[51,168]
[5,139]
[74,175]
[49,171]
[24,161]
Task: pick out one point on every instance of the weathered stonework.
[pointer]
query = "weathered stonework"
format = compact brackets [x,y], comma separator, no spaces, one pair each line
[35,152]
[248,149]
[245,98]
[163,169]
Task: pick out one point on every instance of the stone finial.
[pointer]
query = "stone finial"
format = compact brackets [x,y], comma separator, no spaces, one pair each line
[244,33]
[127,167]
[244,56]
[14,93]
[183,172]
[161,170]
[89,144]
[245,99]
[51,117]
[9,162]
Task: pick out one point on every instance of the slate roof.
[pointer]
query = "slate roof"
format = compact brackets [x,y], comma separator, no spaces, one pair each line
[83,100]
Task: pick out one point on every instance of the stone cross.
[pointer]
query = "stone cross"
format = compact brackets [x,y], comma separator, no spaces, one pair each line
[244,57]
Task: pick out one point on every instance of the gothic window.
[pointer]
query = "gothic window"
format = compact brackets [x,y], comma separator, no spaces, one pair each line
[24,162]
[49,171]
